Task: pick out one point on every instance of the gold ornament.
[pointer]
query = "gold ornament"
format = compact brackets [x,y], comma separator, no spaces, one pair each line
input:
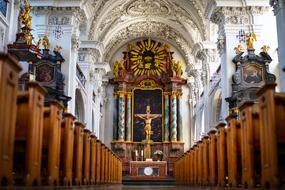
[148,57]
[28,38]
[239,49]
[265,49]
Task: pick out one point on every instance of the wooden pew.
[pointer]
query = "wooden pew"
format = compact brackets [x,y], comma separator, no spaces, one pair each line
[205,160]
[213,160]
[195,164]
[98,162]
[200,162]
[78,153]
[191,166]
[120,170]
[106,165]
[66,151]
[86,157]
[222,154]
[272,136]
[234,151]
[93,158]
[9,72]
[111,167]
[187,167]
[251,163]
[28,136]
[51,143]
[103,162]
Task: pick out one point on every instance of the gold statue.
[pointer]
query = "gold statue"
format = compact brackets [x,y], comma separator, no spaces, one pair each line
[25,17]
[265,49]
[46,42]
[177,67]
[239,49]
[251,37]
[38,44]
[148,118]
[116,69]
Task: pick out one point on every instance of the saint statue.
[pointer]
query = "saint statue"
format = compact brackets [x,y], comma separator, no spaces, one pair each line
[251,37]
[148,118]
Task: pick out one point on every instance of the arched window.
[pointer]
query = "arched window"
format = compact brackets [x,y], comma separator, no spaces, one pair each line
[79,106]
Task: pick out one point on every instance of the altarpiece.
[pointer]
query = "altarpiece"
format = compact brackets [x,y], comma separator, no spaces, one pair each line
[147,76]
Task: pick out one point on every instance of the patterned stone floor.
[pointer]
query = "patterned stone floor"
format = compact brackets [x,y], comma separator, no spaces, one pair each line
[125,187]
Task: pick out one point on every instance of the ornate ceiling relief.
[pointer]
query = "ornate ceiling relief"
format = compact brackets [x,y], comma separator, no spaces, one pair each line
[153,29]
[147,7]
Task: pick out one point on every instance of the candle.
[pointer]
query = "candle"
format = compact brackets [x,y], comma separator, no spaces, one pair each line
[136,152]
[141,152]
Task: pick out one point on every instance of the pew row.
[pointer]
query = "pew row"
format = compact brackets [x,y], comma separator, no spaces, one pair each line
[41,145]
[246,152]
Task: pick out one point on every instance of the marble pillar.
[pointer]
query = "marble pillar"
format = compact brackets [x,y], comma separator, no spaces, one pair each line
[121,130]
[115,118]
[166,117]
[129,118]
[279,11]
[174,117]
[179,118]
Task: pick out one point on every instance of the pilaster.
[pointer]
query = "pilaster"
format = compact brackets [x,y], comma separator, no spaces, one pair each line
[279,11]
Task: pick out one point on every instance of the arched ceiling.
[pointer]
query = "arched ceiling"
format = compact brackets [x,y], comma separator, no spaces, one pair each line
[179,22]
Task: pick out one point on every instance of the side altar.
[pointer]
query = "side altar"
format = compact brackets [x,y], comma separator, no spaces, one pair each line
[147,105]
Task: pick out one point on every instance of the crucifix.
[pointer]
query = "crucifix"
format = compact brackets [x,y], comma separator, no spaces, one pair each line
[148,118]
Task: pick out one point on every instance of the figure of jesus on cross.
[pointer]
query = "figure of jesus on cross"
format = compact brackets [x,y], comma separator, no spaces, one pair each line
[148,118]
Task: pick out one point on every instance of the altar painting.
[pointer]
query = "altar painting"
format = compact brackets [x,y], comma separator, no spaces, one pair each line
[142,98]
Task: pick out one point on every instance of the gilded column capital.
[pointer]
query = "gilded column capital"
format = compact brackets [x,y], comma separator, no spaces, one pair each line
[129,95]
[166,94]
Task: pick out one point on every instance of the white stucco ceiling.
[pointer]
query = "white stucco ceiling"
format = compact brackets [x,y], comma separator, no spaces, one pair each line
[116,22]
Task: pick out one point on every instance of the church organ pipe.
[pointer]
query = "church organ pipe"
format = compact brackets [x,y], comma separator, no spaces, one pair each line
[129,117]
[166,117]
[179,118]
[121,132]
[174,118]
[115,118]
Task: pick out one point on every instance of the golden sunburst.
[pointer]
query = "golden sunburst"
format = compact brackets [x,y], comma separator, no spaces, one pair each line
[148,58]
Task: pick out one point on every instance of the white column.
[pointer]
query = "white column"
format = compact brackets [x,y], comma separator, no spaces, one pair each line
[279,10]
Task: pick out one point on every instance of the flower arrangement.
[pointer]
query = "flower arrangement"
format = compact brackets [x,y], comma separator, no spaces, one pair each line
[158,152]
[159,155]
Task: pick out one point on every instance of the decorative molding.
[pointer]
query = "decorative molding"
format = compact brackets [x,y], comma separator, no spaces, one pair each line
[147,8]
[75,43]
[59,20]
[156,29]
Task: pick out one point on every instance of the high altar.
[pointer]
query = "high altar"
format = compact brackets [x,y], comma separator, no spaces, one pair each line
[147,79]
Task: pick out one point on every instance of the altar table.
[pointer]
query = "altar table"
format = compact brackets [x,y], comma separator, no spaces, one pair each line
[151,170]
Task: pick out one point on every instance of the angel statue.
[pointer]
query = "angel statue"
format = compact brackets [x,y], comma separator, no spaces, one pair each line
[251,37]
